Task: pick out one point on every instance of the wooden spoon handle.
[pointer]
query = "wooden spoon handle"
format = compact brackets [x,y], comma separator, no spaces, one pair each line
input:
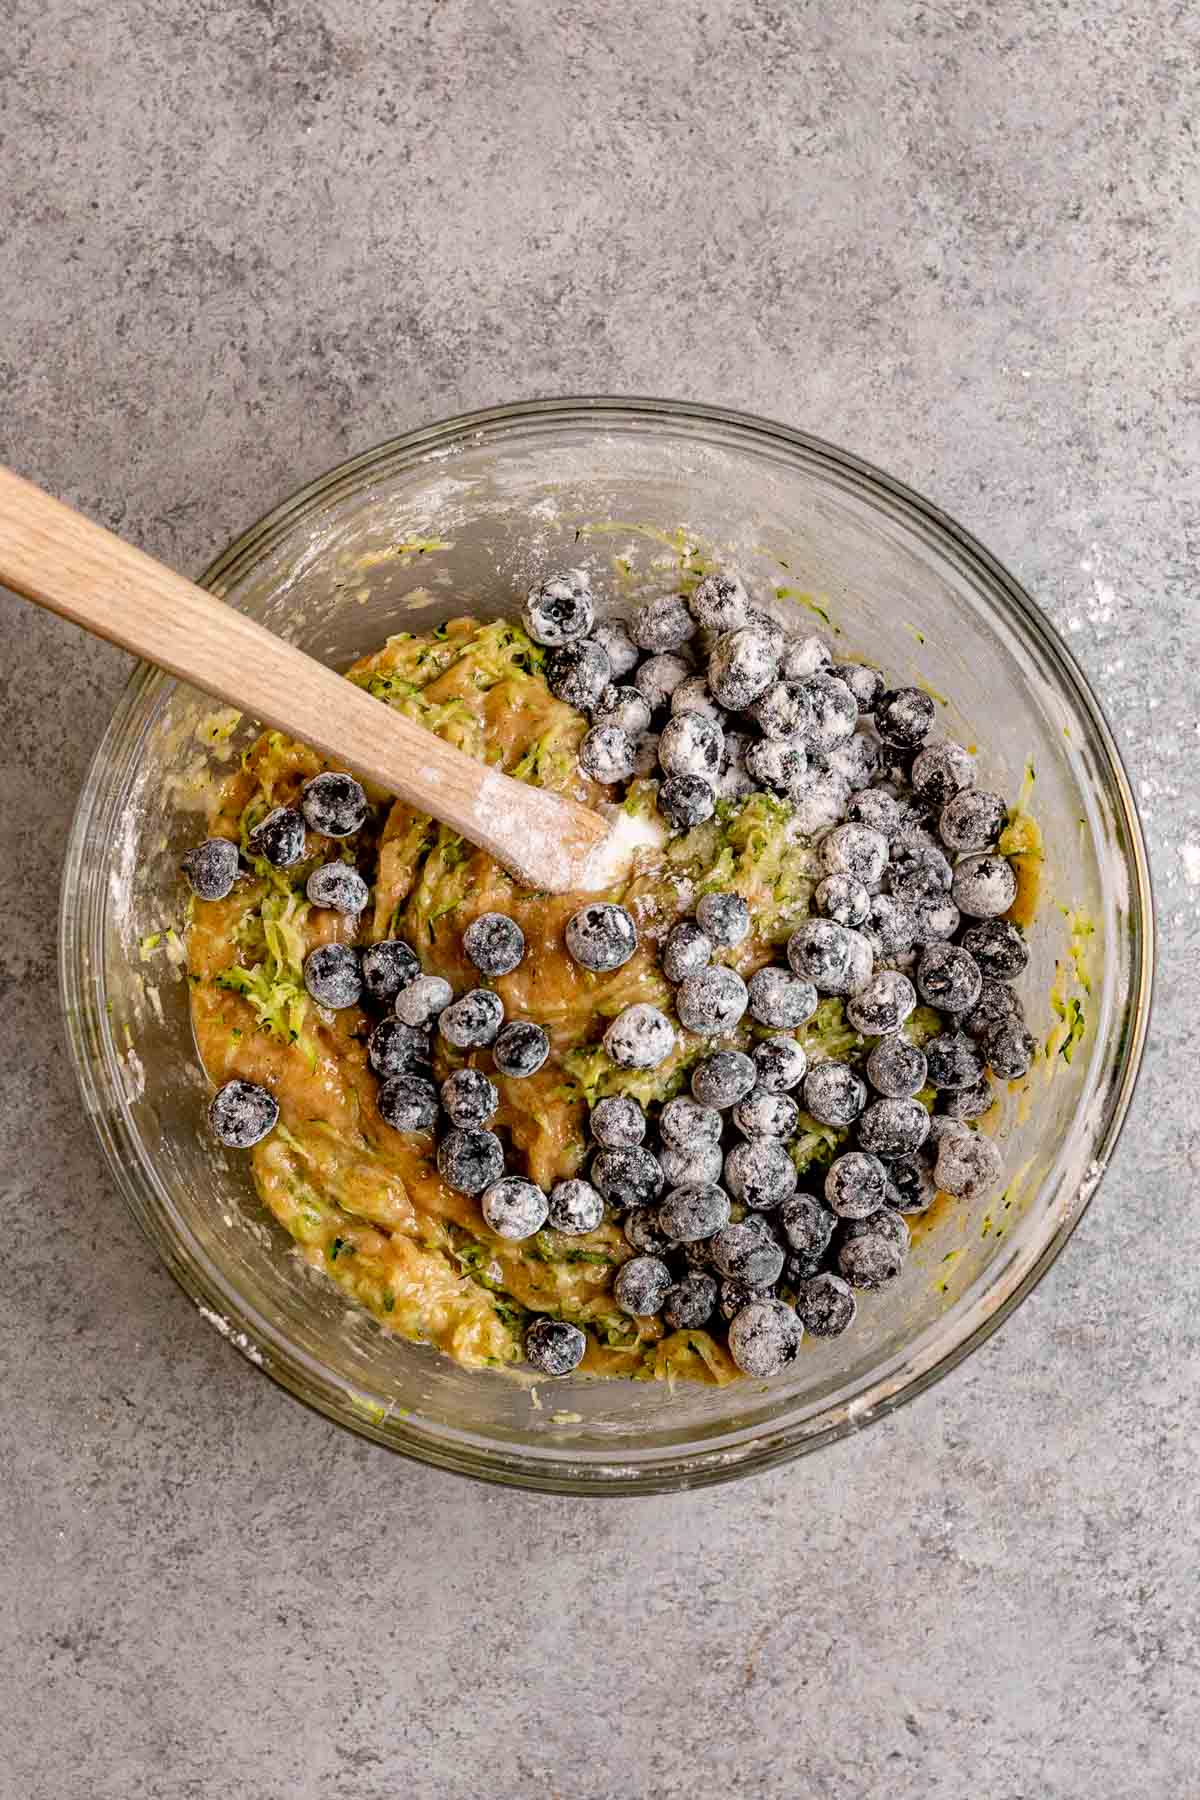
[52,554]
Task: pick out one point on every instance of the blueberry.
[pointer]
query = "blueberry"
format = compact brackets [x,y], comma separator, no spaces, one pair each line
[627,1177]
[574,1208]
[387,967]
[623,707]
[665,623]
[332,975]
[941,1125]
[833,1093]
[895,1069]
[577,673]
[641,1231]
[692,695]
[470,1161]
[884,1224]
[882,1005]
[690,1303]
[601,936]
[763,1114]
[855,1184]
[697,1166]
[892,927]
[893,1128]
[832,711]
[711,1002]
[996,1005]
[720,603]
[780,712]
[408,1103]
[691,1213]
[870,1261]
[781,1064]
[936,920]
[614,639]
[724,917]
[834,958]
[642,1285]
[953,1061]
[279,837]
[765,1338]
[843,899]
[918,872]
[855,850]
[618,1122]
[241,1113]
[520,1049]
[735,781]
[640,1037]
[895,766]
[686,951]
[554,1346]
[334,805]
[877,808]
[691,744]
[658,678]
[820,803]
[494,943]
[998,948]
[396,1049]
[559,609]
[972,820]
[825,1306]
[723,1079]
[743,1253]
[514,1208]
[338,886]
[778,765]
[1009,1050]
[971,1102]
[472,1021]
[742,667]
[469,1098]
[804,657]
[685,801]
[606,754]
[911,1188]
[855,760]
[686,1126]
[760,1173]
[984,886]
[212,868]
[423,999]
[732,1296]
[780,999]
[968,1164]
[865,684]
[949,978]
[807,1227]
[904,716]
[940,771]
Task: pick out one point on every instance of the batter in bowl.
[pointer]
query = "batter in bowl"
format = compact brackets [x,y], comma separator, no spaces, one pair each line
[324,1045]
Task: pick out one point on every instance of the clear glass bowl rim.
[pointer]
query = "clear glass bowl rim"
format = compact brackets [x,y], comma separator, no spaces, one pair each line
[80,959]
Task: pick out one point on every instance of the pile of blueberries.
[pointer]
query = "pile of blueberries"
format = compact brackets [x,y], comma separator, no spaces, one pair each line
[910,910]
[721,704]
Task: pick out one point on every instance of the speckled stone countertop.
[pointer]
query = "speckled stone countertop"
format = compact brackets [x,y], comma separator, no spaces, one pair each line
[241,240]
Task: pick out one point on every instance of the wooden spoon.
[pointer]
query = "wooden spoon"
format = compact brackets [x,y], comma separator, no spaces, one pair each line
[52,554]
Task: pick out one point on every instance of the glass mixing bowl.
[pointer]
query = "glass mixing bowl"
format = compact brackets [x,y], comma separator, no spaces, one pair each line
[459,518]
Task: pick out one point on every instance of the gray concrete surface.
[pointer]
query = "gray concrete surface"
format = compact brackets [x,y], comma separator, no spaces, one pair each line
[239,241]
